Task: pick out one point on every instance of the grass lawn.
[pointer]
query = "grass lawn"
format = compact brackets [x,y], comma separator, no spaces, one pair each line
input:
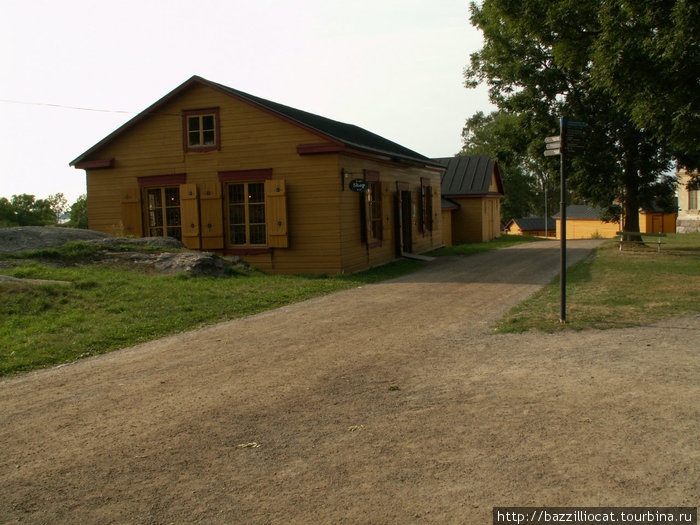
[105,308]
[616,289]
[479,247]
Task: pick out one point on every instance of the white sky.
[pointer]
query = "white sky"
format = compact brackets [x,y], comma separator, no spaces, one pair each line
[393,67]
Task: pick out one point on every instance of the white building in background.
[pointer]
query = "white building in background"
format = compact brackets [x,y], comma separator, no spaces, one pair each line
[688,205]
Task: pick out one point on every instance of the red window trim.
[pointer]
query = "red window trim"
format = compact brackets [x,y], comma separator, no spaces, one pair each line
[247,251]
[424,181]
[217,126]
[402,186]
[371,175]
[320,147]
[245,175]
[99,164]
[162,180]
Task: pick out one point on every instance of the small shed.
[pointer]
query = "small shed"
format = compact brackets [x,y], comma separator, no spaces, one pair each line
[472,189]
[655,219]
[536,226]
[584,222]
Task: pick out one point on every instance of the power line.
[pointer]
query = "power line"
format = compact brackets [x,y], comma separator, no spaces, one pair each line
[67,107]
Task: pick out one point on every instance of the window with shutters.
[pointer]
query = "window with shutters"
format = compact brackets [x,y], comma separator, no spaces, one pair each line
[426,204]
[374,211]
[163,216]
[201,129]
[245,205]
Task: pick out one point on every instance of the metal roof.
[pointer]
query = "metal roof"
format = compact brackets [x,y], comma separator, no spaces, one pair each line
[447,204]
[349,135]
[465,176]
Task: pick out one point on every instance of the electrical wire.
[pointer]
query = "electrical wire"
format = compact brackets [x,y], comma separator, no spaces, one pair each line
[78,108]
[67,107]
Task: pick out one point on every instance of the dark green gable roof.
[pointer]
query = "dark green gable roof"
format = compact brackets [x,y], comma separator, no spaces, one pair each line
[469,176]
[348,135]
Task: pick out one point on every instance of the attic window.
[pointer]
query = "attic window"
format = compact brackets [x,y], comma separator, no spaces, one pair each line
[201,129]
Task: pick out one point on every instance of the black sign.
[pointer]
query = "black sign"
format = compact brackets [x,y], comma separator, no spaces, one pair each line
[358,185]
[574,135]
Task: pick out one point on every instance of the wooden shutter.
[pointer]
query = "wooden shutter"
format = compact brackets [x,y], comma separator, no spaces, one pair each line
[212,218]
[387,202]
[276,214]
[131,217]
[189,216]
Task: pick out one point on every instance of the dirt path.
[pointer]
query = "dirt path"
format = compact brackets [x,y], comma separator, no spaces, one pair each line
[388,403]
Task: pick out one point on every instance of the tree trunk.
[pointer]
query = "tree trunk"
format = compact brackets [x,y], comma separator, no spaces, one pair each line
[631,202]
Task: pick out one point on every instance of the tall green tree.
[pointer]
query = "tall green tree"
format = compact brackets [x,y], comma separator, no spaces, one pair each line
[646,57]
[499,135]
[538,61]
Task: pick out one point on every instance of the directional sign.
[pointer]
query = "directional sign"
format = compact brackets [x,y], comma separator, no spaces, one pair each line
[574,124]
[574,136]
[552,146]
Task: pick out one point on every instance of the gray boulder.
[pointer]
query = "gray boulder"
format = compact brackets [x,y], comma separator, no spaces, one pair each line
[196,264]
[27,238]
[160,242]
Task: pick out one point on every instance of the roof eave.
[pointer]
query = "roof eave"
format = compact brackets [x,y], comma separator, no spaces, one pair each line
[138,118]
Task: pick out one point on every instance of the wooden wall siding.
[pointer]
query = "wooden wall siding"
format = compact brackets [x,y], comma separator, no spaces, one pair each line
[493,187]
[447,227]
[467,221]
[250,139]
[657,222]
[588,229]
[514,229]
[355,253]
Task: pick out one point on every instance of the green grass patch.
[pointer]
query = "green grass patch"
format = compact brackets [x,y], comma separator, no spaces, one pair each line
[473,248]
[106,307]
[614,289]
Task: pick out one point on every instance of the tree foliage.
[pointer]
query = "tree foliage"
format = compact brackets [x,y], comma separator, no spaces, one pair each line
[647,58]
[500,136]
[78,213]
[27,210]
[540,62]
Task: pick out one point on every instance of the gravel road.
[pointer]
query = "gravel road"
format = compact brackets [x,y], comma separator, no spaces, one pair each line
[389,403]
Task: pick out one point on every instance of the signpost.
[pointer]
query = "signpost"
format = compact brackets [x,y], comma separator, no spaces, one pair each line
[570,141]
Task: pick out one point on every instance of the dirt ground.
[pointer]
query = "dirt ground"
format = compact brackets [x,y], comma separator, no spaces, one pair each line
[389,403]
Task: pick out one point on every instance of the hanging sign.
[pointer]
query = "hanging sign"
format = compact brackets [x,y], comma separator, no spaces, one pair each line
[358,185]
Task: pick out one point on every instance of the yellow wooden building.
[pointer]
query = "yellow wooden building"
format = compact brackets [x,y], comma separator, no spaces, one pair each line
[472,190]
[232,173]
[655,220]
[535,226]
[583,222]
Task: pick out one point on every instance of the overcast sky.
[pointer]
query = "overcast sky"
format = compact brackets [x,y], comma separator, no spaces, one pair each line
[393,67]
